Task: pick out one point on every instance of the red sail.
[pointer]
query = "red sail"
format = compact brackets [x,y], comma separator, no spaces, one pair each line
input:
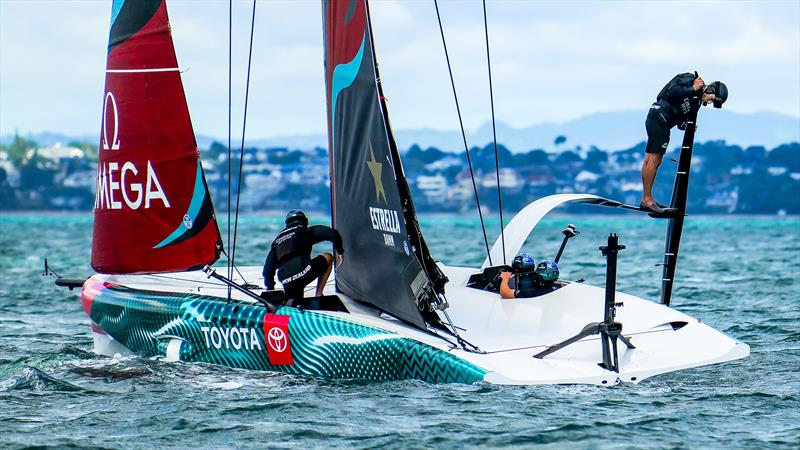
[153,211]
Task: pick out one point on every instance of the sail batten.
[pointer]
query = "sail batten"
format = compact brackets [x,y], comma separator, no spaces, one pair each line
[153,210]
[387,262]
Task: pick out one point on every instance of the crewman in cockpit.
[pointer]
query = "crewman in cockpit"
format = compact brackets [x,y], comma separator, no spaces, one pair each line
[290,256]
[528,279]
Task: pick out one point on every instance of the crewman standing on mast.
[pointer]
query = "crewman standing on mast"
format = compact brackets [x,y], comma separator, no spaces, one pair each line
[672,107]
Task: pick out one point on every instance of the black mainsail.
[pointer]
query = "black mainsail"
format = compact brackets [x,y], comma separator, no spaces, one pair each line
[388,263]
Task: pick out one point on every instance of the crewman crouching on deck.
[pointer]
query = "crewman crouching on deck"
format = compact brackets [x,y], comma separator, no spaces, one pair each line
[290,256]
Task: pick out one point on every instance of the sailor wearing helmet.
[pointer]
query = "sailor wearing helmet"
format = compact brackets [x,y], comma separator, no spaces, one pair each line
[676,101]
[528,279]
[290,256]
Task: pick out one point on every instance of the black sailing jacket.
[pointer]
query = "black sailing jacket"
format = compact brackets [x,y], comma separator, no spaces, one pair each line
[291,250]
[675,99]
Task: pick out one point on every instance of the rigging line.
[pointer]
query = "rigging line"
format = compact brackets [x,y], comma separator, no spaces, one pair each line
[494,135]
[244,127]
[310,288]
[167,277]
[233,267]
[463,135]
[461,342]
[490,352]
[585,339]
[230,76]
[48,268]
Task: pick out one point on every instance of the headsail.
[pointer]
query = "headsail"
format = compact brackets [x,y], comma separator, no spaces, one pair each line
[153,211]
[388,263]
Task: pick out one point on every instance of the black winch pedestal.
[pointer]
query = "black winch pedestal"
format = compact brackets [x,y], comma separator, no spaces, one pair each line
[609,330]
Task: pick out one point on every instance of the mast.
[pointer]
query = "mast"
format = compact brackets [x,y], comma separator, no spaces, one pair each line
[680,191]
[419,246]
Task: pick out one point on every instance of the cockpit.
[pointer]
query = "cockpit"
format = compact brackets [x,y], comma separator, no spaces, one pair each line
[524,278]
[489,280]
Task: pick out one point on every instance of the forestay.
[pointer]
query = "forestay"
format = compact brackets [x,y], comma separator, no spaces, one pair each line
[387,262]
[153,211]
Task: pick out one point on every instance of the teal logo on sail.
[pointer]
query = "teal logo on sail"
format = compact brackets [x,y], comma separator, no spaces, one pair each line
[197,215]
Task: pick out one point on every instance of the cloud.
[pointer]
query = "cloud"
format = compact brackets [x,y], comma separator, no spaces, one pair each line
[551,61]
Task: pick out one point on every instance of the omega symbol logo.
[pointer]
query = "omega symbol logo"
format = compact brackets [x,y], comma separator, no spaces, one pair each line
[277,339]
[115,137]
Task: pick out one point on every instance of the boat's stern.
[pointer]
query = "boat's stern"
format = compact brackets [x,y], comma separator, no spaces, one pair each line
[104,344]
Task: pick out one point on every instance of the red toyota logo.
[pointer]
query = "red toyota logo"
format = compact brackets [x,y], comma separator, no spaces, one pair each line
[278,343]
[277,339]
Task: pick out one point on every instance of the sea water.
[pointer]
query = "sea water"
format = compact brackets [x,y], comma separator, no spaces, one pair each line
[739,274]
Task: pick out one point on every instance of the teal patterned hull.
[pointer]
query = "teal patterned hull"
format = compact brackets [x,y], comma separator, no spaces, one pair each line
[209,329]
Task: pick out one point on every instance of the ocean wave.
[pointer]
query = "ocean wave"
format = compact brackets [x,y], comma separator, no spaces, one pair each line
[33,379]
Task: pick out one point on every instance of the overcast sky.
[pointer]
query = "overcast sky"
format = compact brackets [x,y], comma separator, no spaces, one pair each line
[552,61]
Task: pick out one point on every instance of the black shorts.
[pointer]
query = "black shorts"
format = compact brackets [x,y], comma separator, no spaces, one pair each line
[657,132]
[295,284]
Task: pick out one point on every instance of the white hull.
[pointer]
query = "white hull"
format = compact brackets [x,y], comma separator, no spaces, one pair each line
[511,331]
[531,325]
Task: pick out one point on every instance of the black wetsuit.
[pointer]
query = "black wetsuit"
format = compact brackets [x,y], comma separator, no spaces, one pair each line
[290,256]
[674,104]
[529,284]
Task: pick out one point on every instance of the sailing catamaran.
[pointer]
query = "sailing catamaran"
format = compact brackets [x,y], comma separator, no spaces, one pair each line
[394,312]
